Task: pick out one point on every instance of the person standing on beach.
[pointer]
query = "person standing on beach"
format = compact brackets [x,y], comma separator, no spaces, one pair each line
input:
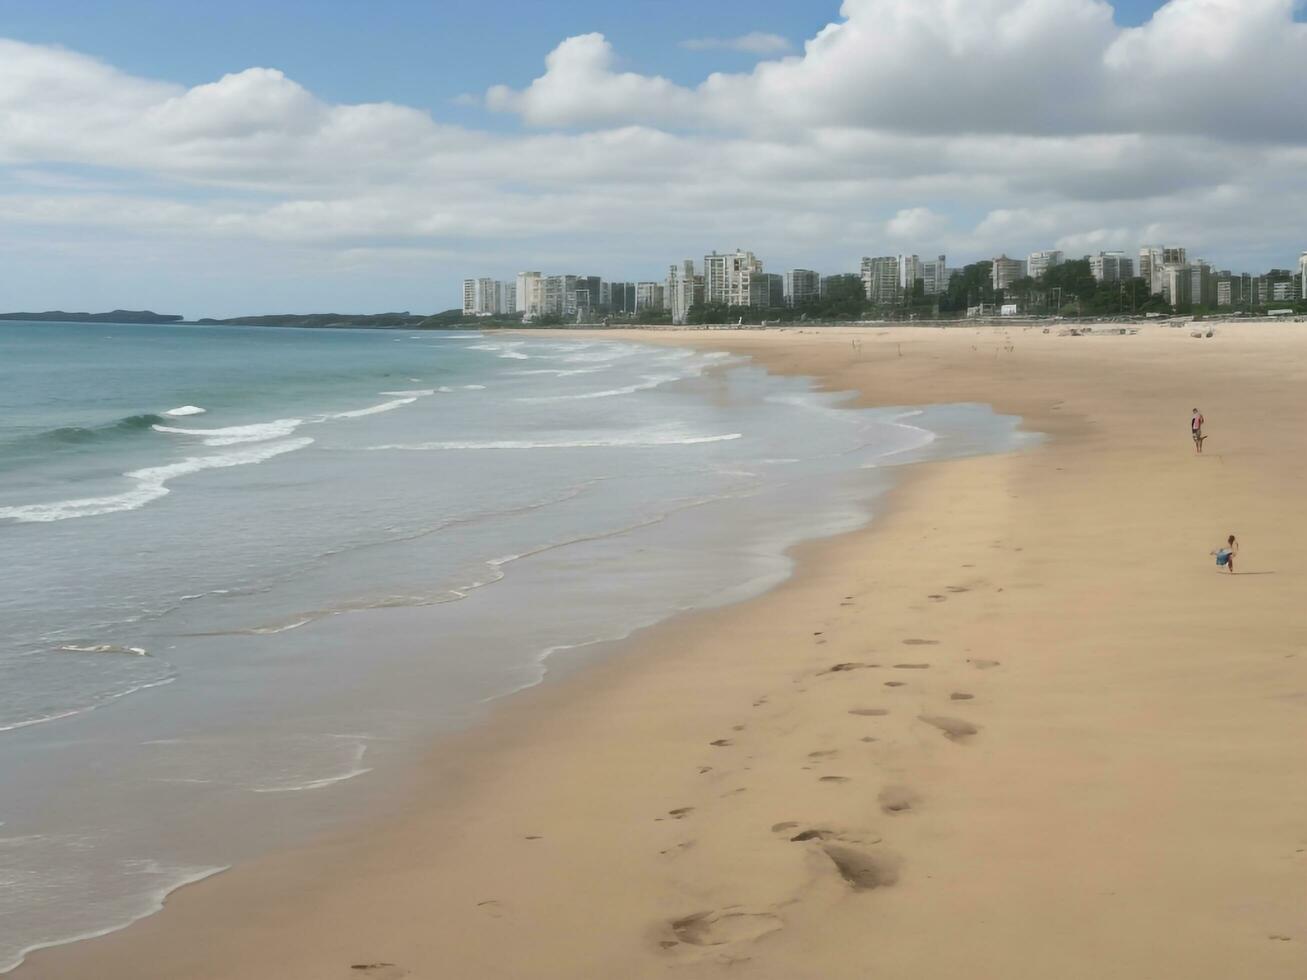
[1225,556]
[1196,429]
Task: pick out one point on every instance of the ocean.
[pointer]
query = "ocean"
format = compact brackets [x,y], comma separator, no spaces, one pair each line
[250,572]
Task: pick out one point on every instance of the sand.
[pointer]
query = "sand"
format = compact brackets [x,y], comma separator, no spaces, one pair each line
[1019,727]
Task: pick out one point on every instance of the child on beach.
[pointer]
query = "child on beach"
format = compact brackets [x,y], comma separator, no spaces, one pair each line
[1225,556]
[1196,430]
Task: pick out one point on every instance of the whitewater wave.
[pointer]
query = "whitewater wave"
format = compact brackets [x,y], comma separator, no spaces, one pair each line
[509,350]
[184,410]
[151,484]
[646,385]
[103,648]
[636,441]
[234,435]
[389,406]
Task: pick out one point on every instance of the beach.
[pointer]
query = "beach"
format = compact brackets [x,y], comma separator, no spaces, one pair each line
[1019,726]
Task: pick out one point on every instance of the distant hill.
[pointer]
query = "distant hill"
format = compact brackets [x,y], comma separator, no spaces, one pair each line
[405,319]
[117,316]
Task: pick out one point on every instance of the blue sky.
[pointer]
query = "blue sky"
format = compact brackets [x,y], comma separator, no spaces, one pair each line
[151,160]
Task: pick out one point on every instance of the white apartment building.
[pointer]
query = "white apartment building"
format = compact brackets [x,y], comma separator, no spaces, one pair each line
[1007,271]
[1302,271]
[801,286]
[485,297]
[1111,267]
[1041,262]
[1153,263]
[727,279]
[684,290]
[880,279]
[529,296]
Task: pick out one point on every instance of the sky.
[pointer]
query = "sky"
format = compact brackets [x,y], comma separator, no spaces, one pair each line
[224,159]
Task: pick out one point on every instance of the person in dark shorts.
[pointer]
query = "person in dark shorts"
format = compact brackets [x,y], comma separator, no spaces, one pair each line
[1196,430]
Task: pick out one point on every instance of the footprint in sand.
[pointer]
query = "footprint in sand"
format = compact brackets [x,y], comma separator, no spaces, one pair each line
[722,742]
[833,779]
[815,833]
[824,754]
[861,869]
[912,666]
[869,712]
[960,696]
[842,668]
[379,971]
[984,664]
[957,588]
[680,813]
[916,642]
[953,728]
[897,799]
[731,925]
[895,683]
[937,598]
[776,828]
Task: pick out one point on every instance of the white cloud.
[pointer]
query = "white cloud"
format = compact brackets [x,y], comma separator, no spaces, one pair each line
[755,42]
[579,86]
[916,225]
[970,126]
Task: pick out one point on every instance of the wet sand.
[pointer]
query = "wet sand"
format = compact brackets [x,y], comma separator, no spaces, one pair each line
[1021,726]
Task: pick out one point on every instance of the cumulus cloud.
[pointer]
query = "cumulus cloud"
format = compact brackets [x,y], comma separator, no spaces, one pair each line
[755,42]
[1000,66]
[916,225]
[973,127]
[580,86]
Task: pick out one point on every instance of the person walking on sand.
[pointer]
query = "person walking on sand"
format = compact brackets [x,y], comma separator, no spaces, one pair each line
[1225,556]
[1196,430]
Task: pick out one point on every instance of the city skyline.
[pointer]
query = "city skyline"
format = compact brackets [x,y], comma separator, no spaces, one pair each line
[313,159]
[740,279]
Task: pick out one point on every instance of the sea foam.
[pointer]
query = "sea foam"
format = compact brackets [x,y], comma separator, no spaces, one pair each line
[234,435]
[634,441]
[151,484]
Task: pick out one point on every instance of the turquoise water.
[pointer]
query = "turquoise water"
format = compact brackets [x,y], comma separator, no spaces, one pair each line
[250,570]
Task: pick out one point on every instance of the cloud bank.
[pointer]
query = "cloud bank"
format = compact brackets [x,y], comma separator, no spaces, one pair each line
[965,126]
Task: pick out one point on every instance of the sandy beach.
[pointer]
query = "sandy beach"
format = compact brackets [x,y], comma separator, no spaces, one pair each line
[1021,726]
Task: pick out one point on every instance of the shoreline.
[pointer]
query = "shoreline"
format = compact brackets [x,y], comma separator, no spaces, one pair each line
[465,853]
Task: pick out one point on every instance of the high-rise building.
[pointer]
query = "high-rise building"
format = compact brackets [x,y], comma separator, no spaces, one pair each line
[801,286]
[586,294]
[530,294]
[880,279]
[935,276]
[649,296]
[487,297]
[909,272]
[1007,271]
[1302,272]
[621,298]
[684,290]
[1177,285]
[1202,283]
[1111,267]
[1154,262]
[559,296]
[766,289]
[1041,262]
[727,279]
